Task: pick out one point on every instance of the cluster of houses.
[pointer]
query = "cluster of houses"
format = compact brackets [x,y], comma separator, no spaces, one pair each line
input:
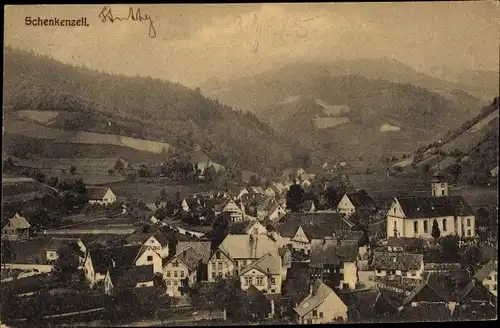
[347,275]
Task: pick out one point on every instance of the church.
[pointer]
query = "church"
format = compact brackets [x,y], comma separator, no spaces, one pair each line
[414,216]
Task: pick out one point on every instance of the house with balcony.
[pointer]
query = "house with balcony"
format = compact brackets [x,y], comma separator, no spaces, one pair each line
[264,274]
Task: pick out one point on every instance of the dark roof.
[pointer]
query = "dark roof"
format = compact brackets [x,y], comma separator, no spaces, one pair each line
[96,193]
[240,227]
[28,251]
[143,237]
[426,312]
[315,225]
[396,261]
[55,244]
[424,292]
[428,207]
[473,291]
[201,247]
[126,255]
[361,199]
[101,260]
[131,276]
[372,303]
[344,234]
[405,242]
[485,271]
[329,252]
[190,257]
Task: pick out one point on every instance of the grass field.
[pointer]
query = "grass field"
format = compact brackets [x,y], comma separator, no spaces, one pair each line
[39,131]
[38,116]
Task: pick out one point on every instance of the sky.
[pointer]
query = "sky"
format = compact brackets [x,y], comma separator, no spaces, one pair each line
[199,42]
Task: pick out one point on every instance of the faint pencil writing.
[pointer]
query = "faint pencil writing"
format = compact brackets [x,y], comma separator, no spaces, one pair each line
[135,15]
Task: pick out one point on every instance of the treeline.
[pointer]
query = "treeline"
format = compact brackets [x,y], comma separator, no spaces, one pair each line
[170,110]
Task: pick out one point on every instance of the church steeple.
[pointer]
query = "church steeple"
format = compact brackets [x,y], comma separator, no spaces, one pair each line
[439,185]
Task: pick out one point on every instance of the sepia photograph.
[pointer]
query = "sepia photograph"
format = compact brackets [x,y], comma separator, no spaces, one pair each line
[234,164]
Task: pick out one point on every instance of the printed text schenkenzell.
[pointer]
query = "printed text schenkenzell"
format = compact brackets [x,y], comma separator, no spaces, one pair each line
[39,21]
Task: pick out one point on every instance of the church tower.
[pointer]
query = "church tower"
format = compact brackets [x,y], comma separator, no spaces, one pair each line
[439,186]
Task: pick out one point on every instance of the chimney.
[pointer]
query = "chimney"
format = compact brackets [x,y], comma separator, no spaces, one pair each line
[311,288]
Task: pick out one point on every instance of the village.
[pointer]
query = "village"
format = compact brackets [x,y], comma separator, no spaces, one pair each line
[298,249]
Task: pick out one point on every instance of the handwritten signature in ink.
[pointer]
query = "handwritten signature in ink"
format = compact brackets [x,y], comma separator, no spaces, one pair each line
[135,15]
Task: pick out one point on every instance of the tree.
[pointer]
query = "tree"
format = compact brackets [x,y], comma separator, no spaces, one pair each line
[220,229]
[436,232]
[72,170]
[163,195]
[455,170]
[254,181]
[68,261]
[450,247]
[471,258]
[119,165]
[295,198]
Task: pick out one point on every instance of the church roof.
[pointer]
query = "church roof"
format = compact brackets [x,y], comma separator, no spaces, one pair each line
[416,207]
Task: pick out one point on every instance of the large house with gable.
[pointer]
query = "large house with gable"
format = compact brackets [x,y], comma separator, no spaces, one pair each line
[414,216]
[16,228]
[398,266]
[157,241]
[334,262]
[99,261]
[298,229]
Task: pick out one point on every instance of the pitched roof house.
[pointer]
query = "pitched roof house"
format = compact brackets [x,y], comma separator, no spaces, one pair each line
[182,270]
[356,201]
[201,247]
[16,228]
[55,244]
[157,241]
[102,196]
[244,249]
[322,305]
[264,274]
[473,301]
[372,305]
[247,227]
[398,265]
[334,263]
[298,229]
[488,275]
[128,277]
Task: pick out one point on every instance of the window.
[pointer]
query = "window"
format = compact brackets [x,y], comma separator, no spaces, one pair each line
[444,225]
[214,275]
[168,273]
[213,266]
[315,313]
[176,282]
[220,265]
[220,274]
[175,264]
[415,227]
[150,258]
[442,192]
[182,274]
[168,282]
[469,233]
[273,281]
[394,210]
[244,262]
[175,273]
[321,314]
[468,223]
[426,227]
[495,287]
[260,281]
[248,281]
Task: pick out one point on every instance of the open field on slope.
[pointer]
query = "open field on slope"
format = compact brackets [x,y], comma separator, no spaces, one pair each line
[469,139]
[38,116]
[33,130]
[330,122]
[18,145]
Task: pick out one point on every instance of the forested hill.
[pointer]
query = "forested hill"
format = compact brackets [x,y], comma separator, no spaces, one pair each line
[142,107]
